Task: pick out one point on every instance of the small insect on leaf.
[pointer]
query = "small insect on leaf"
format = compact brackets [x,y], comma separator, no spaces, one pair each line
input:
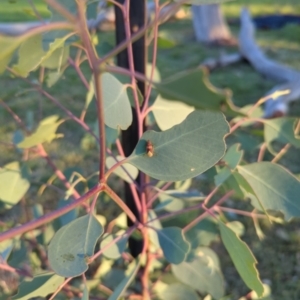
[149,149]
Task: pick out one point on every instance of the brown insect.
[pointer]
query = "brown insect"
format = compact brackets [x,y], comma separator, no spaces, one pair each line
[149,149]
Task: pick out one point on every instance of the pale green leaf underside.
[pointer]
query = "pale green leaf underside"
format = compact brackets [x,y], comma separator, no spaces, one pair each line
[281,130]
[173,244]
[202,274]
[169,202]
[167,113]
[45,132]
[123,285]
[85,294]
[242,258]
[275,187]
[8,44]
[40,286]
[73,244]
[184,151]
[127,172]
[233,156]
[115,250]
[117,108]
[176,291]
[30,54]
[13,186]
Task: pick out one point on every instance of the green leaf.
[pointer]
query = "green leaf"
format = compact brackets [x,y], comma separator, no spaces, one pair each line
[222,175]
[57,55]
[117,107]
[169,202]
[155,224]
[248,141]
[115,250]
[40,286]
[173,244]
[203,233]
[123,285]
[233,156]
[73,244]
[202,274]
[241,187]
[237,227]
[167,114]
[281,130]
[30,54]
[242,258]
[6,248]
[46,132]
[90,94]
[165,43]
[13,184]
[69,216]
[275,188]
[8,45]
[53,77]
[184,151]
[194,89]
[175,291]
[85,294]
[127,171]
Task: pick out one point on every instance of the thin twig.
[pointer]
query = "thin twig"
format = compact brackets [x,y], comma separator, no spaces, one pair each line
[203,215]
[50,216]
[93,59]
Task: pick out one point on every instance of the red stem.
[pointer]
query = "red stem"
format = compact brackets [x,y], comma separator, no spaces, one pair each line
[50,216]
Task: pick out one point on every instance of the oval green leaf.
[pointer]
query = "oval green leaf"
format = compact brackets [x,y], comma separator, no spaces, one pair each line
[118,113]
[116,249]
[184,151]
[167,114]
[274,186]
[40,286]
[242,258]
[281,130]
[202,274]
[8,44]
[13,184]
[73,244]
[57,54]
[30,53]
[127,171]
[173,244]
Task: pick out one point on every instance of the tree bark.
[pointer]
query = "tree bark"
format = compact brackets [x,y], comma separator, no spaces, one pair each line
[288,77]
[130,136]
[210,25]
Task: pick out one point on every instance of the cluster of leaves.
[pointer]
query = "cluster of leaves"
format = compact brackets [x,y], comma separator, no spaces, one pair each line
[188,140]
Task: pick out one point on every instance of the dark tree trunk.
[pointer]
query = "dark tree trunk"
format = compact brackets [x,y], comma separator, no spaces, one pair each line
[130,136]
